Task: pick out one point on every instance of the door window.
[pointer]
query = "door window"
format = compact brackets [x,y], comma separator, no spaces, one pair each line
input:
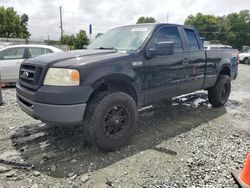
[13,53]
[39,51]
[169,34]
[192,40]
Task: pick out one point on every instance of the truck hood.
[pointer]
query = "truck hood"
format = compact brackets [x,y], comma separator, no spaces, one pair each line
[76,57]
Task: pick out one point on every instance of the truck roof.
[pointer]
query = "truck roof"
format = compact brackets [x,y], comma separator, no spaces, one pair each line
[159,24]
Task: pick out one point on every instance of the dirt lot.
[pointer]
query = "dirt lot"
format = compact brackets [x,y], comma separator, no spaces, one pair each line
[184,144]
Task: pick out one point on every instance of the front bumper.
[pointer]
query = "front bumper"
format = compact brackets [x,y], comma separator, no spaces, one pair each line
[53,114]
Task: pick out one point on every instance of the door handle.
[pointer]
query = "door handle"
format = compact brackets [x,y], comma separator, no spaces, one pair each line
[185,61]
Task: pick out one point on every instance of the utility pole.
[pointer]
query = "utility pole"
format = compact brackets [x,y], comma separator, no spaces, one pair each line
[61,26]
[73,23]
[90,31]
[167,17]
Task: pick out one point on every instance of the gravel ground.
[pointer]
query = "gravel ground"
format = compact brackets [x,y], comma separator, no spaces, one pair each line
[184,144]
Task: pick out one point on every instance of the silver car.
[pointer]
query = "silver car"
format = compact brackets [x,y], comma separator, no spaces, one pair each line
[11,58]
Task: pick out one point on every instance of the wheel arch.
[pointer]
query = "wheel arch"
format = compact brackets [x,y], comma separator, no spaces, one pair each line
[117,82]
[226,70]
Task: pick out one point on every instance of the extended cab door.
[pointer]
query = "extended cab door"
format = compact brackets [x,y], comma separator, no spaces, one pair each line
[165,75]
[196,56]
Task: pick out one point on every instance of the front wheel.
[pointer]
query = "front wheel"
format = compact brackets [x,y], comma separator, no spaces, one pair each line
[219,94]
[111,120]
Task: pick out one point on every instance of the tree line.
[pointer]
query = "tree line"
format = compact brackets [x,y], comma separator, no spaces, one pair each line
[75,41]
[232,29]
[13,25]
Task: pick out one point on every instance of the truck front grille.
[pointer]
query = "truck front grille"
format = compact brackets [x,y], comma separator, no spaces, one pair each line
[29,76]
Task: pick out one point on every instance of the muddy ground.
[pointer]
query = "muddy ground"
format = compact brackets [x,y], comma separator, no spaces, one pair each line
[186,143]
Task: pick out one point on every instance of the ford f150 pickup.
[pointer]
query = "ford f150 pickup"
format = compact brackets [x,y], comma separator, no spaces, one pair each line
[128,67]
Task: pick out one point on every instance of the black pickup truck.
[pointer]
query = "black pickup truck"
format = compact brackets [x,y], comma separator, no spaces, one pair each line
[128,67]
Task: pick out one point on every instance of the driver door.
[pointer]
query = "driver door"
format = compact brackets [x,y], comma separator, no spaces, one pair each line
[165,75]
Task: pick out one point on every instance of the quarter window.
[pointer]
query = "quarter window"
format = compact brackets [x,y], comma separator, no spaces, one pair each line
[192,40]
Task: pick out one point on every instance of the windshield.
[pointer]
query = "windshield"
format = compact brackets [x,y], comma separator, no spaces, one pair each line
[122,38]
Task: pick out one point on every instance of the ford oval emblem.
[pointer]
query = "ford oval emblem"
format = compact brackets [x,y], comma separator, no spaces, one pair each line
[25,74]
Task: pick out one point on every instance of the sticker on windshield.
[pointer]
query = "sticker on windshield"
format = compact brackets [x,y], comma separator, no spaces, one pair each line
[141,29]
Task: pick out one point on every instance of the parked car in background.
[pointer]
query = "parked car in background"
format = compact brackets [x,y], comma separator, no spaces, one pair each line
[11,58]
[4,44]
[245,57]
[217,46]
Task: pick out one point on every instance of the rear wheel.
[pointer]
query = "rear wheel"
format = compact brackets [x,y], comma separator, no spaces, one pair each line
[111,120]
[219,94]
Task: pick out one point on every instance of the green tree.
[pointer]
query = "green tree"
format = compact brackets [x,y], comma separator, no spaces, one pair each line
[146,20]
[208,25]
[75,42]
[81,39]
[24,26]
[232,29]
[12,24]
[239,28]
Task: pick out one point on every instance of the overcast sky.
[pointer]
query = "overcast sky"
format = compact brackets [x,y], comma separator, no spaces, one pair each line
[106,14]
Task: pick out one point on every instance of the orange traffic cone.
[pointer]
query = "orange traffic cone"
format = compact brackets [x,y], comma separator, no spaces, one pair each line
[243,178]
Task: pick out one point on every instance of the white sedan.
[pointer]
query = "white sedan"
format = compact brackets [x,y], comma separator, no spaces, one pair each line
[11,58]
[245,57]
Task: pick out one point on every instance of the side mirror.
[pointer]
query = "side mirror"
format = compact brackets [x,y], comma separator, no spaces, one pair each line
[161,48]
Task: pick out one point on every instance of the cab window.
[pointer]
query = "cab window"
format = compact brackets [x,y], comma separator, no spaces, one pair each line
[12,53]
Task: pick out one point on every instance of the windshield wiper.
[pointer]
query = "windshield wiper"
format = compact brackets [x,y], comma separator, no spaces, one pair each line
[107,48]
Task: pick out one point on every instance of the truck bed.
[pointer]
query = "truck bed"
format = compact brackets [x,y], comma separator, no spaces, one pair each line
[217,58]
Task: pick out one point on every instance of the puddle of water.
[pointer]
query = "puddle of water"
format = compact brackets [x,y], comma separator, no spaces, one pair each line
[194,100]
[44,144]
[165,150]
[31,137]
[145,108]
[199,101]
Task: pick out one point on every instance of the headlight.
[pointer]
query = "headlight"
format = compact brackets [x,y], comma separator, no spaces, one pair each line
[62,77]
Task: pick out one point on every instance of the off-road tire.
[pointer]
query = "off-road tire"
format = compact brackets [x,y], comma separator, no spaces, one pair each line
[95,115]
[219,94]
